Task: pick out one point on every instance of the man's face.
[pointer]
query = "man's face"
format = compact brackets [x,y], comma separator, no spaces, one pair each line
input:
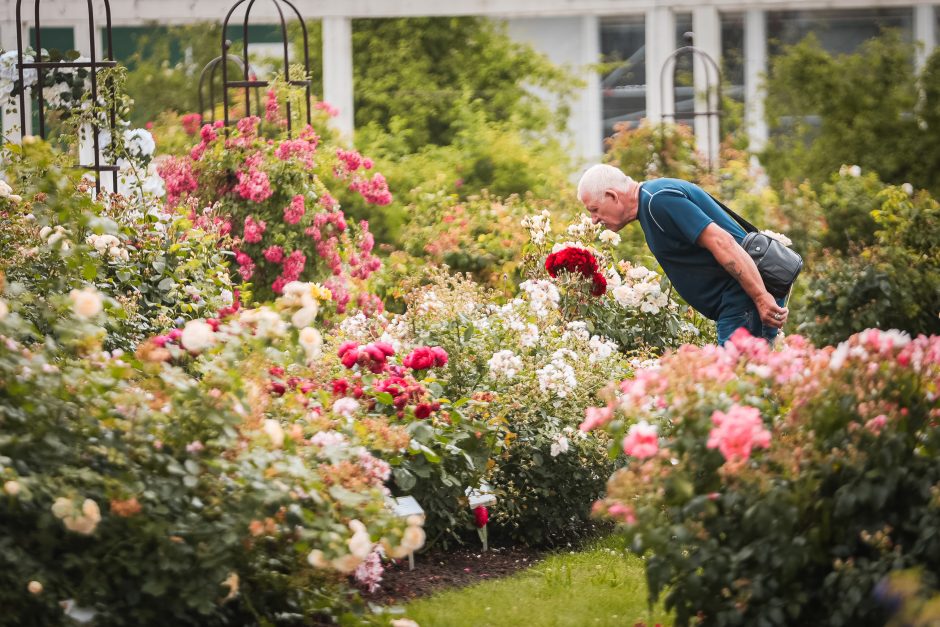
[608,209]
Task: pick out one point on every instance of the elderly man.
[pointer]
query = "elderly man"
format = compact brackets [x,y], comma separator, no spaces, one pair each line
[695,241]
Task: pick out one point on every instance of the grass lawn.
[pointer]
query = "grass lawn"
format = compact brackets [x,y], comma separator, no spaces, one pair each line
[601,585]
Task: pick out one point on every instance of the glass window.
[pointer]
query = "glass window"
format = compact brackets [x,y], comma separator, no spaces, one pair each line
[732,55]
[839,31]
[936,25]
[624,83]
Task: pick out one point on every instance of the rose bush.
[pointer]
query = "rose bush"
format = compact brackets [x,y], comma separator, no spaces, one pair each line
[529,375]
[184,482]
[155,268]
[779,487]
[272,196]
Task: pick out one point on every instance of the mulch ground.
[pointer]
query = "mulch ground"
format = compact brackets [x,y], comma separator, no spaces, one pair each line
[437,570]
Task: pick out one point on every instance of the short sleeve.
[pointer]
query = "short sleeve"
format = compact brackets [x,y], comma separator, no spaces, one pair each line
[677,216]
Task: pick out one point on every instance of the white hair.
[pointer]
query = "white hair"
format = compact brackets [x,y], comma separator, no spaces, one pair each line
[599,178]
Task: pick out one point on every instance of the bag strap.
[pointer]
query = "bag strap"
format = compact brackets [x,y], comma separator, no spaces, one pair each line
[747,226]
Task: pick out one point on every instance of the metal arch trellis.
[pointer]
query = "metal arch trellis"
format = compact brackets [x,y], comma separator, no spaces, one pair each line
[210,70]
[248,83]
[712,85]
[93,65]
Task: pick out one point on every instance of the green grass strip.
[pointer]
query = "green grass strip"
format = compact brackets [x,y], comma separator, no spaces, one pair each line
[603,585]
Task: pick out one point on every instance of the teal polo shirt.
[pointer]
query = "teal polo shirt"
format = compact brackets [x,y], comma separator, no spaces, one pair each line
[673,213]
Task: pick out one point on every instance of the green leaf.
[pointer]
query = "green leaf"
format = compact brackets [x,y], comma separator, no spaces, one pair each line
[404,479]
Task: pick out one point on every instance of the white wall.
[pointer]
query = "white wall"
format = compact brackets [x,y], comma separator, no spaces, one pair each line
[571,42]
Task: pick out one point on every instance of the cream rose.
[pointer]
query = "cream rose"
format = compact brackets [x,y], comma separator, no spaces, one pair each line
[311,341]
[197,336]
[86,303]
[274,431]
[316,559]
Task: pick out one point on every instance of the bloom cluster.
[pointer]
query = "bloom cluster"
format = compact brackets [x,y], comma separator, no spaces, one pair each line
[425,357]
[639,289]
[81,520]
[557,376]
[539,225]
[575,260]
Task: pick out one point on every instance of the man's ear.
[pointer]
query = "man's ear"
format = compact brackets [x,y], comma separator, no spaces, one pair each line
[611,193]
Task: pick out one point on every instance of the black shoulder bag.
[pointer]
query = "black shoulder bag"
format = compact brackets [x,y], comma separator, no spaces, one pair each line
[778,265]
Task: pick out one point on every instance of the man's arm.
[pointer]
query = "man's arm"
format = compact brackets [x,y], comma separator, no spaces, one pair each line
[739,265]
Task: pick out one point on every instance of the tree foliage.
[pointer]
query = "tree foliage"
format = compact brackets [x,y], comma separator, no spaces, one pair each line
[868,108]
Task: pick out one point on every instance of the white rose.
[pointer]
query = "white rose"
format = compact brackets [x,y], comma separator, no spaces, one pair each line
[311,341]
[413,538]
[91,511]
[274,431]
[346,564]
[5,189]
[404,622]
[360,544]
[609,237]
[197,336]
[62,507]
[356,526]
[316,559]
[304,316]
[86,303]
[83,525]
[907,188]
[559,446]
[345,407]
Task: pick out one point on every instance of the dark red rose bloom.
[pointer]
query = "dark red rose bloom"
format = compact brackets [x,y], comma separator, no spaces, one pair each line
[481,516]
[340,387]
[425,357]
[422,411]
[600,285]
[572,260]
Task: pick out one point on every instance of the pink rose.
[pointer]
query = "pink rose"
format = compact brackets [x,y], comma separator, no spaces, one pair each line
[642,440]
[737,432]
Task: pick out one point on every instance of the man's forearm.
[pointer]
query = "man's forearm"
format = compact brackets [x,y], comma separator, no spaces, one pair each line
[742,268]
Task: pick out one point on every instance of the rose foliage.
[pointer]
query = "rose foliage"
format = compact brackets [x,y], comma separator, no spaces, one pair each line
[780,487]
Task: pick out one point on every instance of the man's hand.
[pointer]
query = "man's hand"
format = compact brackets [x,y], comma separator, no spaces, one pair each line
[771,314]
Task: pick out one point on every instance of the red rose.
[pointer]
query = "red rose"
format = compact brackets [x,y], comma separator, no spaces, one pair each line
[422,411]
[385,347]
[340,386]
[440,356]
[600,285]
[481,516]
[346,347]
[572,260]
[420,358]
[350,358]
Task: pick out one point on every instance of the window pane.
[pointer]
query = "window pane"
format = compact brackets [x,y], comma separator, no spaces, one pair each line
[623,87]
[732,55]
[839,31]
